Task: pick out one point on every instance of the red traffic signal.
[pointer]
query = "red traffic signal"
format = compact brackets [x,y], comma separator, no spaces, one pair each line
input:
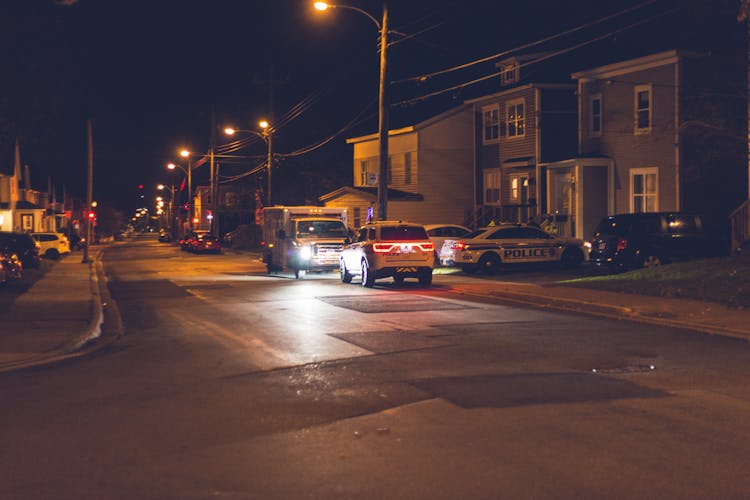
[91,215]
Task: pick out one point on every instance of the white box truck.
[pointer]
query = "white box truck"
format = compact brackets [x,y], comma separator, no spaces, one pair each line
[303,238]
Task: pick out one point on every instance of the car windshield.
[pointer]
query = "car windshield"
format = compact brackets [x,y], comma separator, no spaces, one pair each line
[321,229]
[403,233]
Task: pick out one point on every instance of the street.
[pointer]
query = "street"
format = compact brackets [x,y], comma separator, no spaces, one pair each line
[232,383]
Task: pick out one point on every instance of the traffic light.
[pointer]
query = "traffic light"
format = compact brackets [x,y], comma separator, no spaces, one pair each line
[91,215]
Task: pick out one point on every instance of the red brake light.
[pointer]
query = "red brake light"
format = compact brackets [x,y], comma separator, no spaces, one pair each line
[382,247]
[426,247]
[622,244]
[460,245]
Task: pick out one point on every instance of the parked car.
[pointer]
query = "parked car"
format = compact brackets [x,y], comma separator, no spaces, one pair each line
[11,268]
[24,246]
[392,249]
[205,243]
[52,245]
[628,241]
[438,233]
[510,244]
[186,241]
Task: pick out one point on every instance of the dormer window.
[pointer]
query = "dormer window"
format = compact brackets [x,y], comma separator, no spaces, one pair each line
[509,73]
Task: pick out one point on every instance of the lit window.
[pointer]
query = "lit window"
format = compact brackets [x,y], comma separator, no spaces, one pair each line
[516,118]
[644,190]
[492,187]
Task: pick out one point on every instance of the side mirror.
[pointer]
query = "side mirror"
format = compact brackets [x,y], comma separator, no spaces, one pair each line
[282,234]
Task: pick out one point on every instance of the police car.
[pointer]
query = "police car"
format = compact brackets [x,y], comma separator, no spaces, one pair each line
[384,249]
[511,244]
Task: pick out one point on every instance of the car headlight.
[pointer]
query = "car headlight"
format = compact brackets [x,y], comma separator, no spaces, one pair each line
[305,252]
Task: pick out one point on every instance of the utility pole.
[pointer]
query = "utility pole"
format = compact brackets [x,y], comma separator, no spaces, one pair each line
[383,119]
[212,188]
[89,192]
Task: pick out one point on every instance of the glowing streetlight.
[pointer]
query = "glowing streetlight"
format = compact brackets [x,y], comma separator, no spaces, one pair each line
[267,135]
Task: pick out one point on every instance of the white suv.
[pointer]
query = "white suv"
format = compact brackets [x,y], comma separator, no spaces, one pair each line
[389,249]
[52,245]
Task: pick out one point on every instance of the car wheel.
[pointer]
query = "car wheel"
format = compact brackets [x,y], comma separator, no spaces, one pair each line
[52,254]
[650,261]
[425,278]
[489,263]
[368,280]
[345,276]
[571,257]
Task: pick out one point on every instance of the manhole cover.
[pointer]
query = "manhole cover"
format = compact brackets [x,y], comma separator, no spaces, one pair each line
[625,369]
[396,303]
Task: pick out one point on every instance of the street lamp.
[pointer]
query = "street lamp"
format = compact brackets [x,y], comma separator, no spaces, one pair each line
[186,154]
[383,110]
[170,210]
[267,136]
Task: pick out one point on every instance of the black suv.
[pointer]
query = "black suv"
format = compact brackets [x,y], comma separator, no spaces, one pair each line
[629,241]
[23,245]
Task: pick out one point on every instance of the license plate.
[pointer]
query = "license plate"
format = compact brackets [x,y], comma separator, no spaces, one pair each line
[407,249]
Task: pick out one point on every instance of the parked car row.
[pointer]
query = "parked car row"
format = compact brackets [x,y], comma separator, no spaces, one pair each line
[200,242]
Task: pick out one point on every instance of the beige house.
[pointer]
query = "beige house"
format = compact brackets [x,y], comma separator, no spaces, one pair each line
[654,134]
[430,172]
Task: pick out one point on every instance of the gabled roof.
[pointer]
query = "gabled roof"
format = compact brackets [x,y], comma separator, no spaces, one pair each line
[516,89]
[633,65]
[413,128]
[371,193]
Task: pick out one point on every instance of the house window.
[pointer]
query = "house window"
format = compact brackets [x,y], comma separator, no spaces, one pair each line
[595,119]
[516,118]
[519,185]
[27,222]
[492,187]
[357,217]
[368,172]
[509,74]
[644,190]
[643,109]
[491,123]
[407,168]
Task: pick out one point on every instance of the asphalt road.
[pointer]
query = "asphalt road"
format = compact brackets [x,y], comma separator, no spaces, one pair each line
[231,383]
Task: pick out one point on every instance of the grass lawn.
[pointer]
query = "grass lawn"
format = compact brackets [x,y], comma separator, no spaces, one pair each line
[725,280]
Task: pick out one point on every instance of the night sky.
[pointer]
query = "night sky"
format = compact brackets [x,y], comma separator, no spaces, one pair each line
[149,72]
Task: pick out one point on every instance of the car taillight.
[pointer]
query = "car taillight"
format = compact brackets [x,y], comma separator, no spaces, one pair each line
[383,247]
[622,244]
[460,245]
[426,246]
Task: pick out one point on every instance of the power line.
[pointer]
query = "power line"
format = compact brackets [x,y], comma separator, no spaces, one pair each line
[422,78]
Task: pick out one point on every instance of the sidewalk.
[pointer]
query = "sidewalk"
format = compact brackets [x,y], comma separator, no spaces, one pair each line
[56,317]
[63,312]
[706,317]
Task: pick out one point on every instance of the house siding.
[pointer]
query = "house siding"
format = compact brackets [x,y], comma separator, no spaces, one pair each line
[618,139]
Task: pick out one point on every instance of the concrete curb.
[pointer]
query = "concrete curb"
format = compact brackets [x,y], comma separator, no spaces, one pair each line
[104,313]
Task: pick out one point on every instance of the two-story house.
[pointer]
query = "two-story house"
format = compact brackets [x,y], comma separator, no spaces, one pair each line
[656,133]
[520,128]
[430,172]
